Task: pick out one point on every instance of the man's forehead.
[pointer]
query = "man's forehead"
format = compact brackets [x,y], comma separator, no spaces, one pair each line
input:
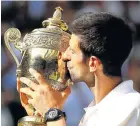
[74,41]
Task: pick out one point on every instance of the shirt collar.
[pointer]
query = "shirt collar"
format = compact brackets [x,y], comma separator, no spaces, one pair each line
[123,88]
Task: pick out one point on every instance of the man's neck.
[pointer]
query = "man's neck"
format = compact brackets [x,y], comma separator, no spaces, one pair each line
[137,87]
[103,86]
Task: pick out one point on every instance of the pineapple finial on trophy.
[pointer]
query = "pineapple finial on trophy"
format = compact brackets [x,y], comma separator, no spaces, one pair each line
[58,13]
[56,20]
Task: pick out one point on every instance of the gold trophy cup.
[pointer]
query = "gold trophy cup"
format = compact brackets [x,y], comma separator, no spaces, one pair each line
[40,50]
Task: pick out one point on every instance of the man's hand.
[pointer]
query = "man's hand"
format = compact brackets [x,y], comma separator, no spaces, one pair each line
[24,100]
[43,95]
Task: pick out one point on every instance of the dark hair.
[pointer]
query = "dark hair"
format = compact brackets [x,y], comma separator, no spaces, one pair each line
[105,36]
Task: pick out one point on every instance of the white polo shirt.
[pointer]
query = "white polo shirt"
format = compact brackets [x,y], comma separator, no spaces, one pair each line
[121,107]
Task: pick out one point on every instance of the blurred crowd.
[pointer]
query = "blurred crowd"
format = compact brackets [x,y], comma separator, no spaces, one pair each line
[28,15]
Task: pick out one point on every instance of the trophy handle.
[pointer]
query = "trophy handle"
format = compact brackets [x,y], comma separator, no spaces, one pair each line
[13,35]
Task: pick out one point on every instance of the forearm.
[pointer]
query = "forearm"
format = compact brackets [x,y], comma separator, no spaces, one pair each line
[60,122]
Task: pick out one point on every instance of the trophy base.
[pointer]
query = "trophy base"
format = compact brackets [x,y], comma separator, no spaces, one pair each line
[31,121]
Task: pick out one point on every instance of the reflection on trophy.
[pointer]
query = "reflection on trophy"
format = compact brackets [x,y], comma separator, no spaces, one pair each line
[40,50]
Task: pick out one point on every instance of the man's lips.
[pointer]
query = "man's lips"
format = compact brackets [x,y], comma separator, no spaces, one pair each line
[69,68]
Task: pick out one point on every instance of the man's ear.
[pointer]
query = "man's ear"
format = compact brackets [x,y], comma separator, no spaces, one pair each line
[94,62]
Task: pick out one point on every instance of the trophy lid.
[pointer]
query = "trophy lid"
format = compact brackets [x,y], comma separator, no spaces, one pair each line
[56,20]
[54,36]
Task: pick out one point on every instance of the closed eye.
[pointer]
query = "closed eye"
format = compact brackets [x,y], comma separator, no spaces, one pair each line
[72,51]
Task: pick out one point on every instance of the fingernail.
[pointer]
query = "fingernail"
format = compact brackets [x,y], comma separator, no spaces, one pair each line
[29,101]
[21,89]
[22,79]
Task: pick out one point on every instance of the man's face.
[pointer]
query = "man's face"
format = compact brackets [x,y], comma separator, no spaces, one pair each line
[77,63]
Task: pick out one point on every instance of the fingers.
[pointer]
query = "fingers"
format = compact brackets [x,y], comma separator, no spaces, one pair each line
[23,99]
[39,77]
[30,101]
[25,104]
[27,91]
[37,112]
[29,110]
[29,83]
[18,84]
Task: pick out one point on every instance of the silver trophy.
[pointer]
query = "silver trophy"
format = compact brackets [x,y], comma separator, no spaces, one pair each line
[40,50]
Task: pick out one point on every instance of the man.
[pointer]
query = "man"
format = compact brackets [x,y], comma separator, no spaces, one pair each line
[99,44]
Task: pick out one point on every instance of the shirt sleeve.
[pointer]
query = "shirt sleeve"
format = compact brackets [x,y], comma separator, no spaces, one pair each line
[133,119]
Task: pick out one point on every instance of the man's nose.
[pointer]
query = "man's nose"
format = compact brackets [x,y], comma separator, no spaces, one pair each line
[65,57]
